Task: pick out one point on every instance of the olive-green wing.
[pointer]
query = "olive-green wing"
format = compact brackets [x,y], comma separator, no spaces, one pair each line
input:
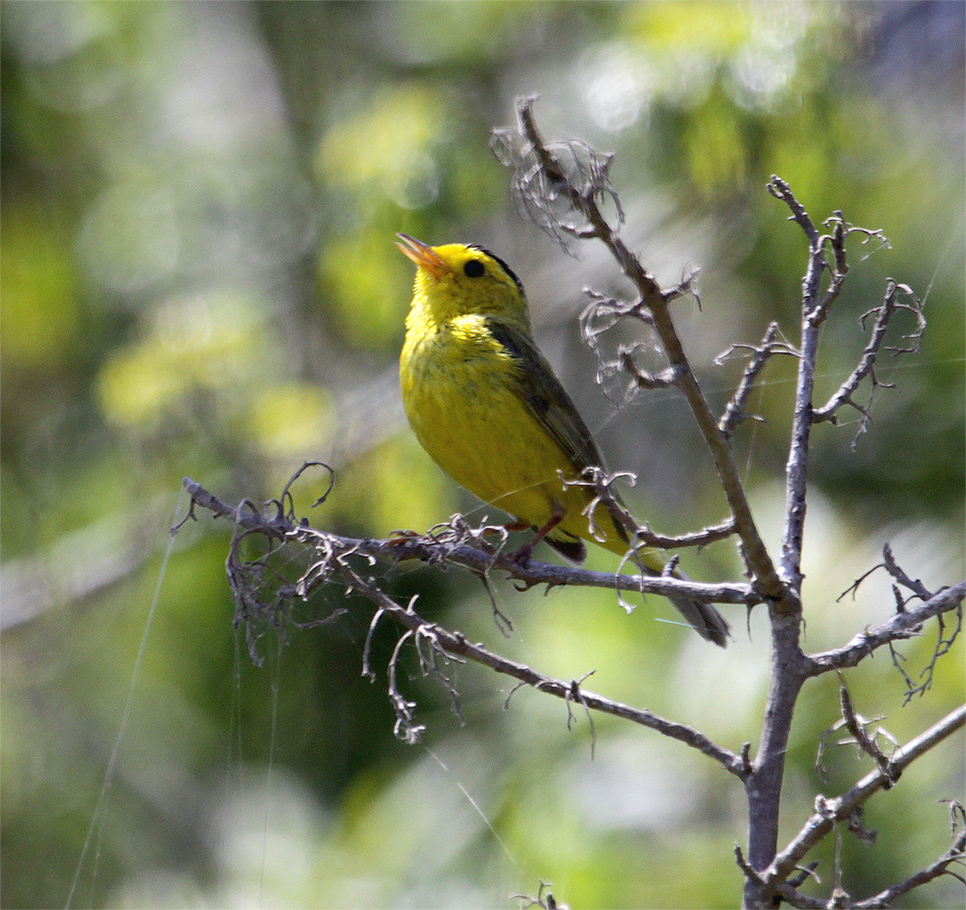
[538,387]
[541,391]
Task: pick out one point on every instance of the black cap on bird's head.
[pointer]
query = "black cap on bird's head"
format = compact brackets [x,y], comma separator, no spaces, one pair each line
[501,263]
[453,257]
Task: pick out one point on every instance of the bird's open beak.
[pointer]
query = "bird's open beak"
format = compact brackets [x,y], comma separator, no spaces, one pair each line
[423,255]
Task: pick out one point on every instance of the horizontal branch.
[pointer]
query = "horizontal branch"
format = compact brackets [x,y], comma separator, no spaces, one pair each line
[637,535]
[334,552]
[702,538]
[901,625]
[428,549]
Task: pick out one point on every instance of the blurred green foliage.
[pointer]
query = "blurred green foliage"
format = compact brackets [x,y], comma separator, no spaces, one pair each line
[198,278]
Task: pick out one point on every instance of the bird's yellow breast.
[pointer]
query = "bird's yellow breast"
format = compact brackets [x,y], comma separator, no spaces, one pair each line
[457,386]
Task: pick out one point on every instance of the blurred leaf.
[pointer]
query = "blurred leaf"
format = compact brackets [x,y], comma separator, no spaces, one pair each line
[213,343]
[291,418]
[39,276]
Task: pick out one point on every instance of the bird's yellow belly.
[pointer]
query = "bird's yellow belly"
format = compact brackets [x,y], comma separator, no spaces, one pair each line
[467,417]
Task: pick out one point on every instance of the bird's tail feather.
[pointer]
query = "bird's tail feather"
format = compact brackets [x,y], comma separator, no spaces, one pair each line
[703,618]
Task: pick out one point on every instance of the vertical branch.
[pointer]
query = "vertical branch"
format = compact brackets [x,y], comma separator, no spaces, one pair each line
[813,314]
[541,181]
[764,785]
[788,663]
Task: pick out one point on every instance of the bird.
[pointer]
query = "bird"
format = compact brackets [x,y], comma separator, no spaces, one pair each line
[488,408]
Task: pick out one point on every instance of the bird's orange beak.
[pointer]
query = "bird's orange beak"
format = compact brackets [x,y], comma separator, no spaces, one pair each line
[423,255]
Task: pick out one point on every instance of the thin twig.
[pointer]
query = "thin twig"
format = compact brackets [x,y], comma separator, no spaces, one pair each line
[955,854]
[866,365]
[830,811]
[735,411]
[836,242]
[900,625]
[856,726]
[638,535]
[896,571]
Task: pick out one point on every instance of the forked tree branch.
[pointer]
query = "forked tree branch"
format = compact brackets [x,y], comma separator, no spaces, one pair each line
[790,667]
[332,562]
[831,811]
[540,182]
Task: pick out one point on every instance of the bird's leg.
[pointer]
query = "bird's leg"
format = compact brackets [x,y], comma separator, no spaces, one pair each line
[501,530]
[517,525]
[522,555]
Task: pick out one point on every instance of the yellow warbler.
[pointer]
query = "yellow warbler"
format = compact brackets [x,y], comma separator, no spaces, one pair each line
[489,410]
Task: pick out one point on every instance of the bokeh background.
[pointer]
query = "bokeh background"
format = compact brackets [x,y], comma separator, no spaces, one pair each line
[198,278]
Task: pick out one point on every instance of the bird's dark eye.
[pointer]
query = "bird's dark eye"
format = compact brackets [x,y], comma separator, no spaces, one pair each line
[474,269]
